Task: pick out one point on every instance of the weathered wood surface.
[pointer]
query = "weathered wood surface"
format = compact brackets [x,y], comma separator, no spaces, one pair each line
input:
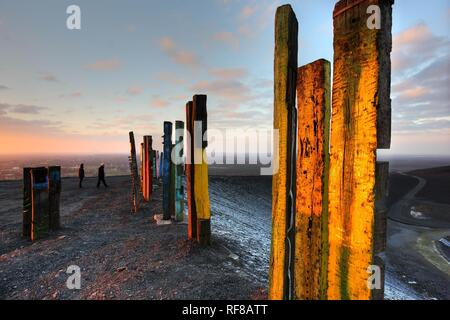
[40,205]
[311,219]
[172,184]
[204,231]
[179,190]
[27,203]
[192,213]
[360,125]
[147,168]
[201,192]
[54,197]
[285,78]
[135,180]
[167,169]
[380,225]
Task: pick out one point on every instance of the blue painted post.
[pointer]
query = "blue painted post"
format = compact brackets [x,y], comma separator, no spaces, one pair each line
[166,169]
[161,164]
[179,190]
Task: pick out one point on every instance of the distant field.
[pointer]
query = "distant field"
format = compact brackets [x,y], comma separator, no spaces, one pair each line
[438,184]
[399,185]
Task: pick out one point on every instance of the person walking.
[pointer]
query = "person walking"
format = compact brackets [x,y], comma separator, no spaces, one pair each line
[81,175]
[101,176]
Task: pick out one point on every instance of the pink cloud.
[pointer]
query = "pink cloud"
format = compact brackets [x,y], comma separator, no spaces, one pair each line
[159,103]
[227,38]
[247,12]
[135,90]
[180,56]
[228,73]
[104,65]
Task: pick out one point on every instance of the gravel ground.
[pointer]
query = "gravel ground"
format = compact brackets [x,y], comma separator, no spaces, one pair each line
[121,256]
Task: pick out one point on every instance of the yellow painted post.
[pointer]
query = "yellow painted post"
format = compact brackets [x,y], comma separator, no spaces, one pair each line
[311,219]
[285,78]
[360,125]
[201,194]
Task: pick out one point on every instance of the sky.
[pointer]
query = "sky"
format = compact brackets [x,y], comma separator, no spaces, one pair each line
[135,64]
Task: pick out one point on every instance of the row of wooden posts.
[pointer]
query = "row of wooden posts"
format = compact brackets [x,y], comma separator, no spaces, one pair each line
[169,166]
[41,201]
[328,206]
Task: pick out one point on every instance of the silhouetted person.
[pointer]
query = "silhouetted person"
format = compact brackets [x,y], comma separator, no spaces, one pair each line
[81,174]
[101,176]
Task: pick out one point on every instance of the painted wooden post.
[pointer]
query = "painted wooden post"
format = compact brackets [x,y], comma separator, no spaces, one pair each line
[54,185]
[380,225]
[134,200]
[40,204]
[201,193]
[179,190]
[27,203]
[311,219]
[283,189]
[142,169]
[161,164]
[192,213]
[172,184]
[147,161]
[154,162]
[360,125]
[167,169]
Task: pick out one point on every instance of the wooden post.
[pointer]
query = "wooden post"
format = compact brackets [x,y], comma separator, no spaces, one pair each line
[154,162]
[27,203]
[40,204]
[167,169]
[311,220]
[142,168]
[161,164]
[172,185]
[54,186]
[192,212]
[283,188]
[134,200]
[147,161]
[201,193]
[360,125]
[179,190]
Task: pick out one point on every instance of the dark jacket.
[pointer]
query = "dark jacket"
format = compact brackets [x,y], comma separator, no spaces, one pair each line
[81,173]
[101,172]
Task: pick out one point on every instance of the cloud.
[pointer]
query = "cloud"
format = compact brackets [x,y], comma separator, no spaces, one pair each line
[233,90]
[159,103]
[131,28]
[2,87]
[229,73]
[420,95]
[21,108]
[415,46]
[227,38]
[171,78]
[48,77]
[247,12]
[180,56]
[135,90]
[104,65]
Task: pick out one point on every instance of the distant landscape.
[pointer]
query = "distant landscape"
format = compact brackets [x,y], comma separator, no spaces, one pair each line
[117,164]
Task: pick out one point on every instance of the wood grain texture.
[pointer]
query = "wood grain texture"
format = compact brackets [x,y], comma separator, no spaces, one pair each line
[40,205]
[192,212]
[54,197]
[311,219]
[201,192]
[285,78]
[167,168]
[179,190]
[360,125]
